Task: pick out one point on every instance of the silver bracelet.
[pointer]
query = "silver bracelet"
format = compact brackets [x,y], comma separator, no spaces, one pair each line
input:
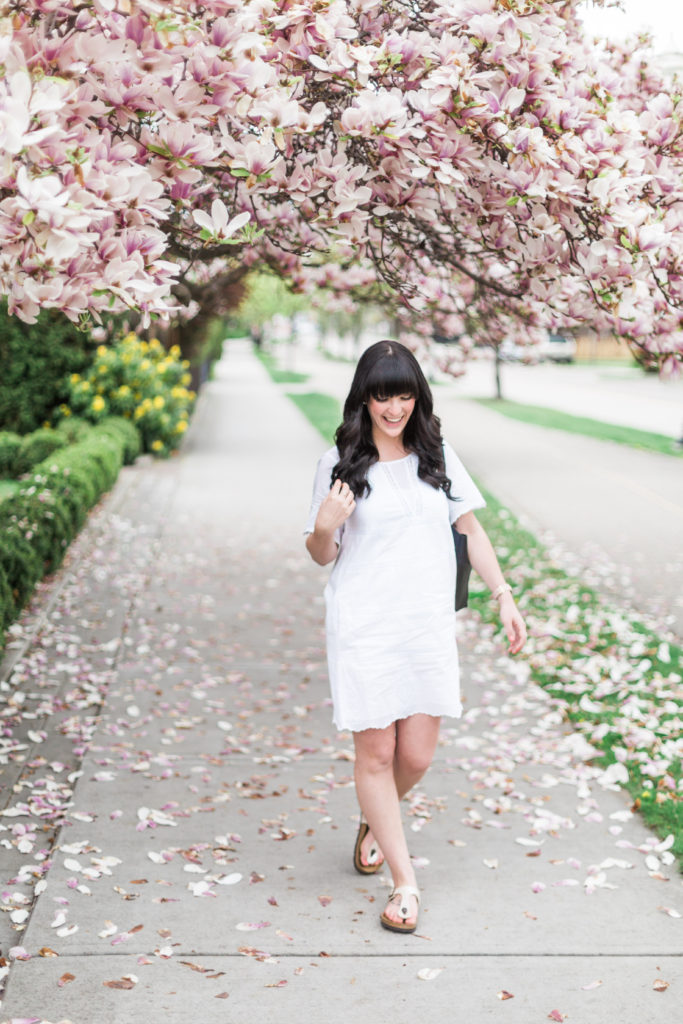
[504,588]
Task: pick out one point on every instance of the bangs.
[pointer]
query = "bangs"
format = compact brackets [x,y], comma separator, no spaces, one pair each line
[391,376]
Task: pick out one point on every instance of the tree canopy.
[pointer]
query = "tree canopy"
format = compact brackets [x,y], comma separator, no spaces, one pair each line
[478,154]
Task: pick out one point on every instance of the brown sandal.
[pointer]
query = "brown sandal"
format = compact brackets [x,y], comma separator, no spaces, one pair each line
[373,864]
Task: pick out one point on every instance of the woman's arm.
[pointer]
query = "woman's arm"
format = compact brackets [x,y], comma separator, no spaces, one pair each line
[484,562]
[334,510]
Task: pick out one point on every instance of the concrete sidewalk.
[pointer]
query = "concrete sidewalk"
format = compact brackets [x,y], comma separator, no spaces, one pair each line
[203,868]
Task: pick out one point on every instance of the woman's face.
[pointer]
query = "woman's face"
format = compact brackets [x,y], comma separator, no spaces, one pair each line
[390,415]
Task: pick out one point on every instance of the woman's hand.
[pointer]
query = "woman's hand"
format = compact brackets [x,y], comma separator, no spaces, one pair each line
[335,509]
[513,623]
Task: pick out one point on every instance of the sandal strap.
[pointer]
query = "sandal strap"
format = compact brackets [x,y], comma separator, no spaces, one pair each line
[404,892]
[373,853]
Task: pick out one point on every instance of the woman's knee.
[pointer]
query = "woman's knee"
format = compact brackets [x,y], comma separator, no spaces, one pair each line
[375,753]
[413,761]
[416,744]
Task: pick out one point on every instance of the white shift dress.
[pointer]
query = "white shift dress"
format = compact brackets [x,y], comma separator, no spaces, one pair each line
[390,618]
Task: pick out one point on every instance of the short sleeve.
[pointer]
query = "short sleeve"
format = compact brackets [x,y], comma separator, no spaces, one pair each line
[321,487]
[466,494]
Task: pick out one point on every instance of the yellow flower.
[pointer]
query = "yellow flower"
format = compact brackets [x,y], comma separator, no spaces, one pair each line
[181,427]
[123,391]
[65,410]
[174,351]
[186,378]
[145,364]
[85,385]
[157,445]
[102,350]
[131,336]
[98,403]
[178,392]
[75,377]
[158,402]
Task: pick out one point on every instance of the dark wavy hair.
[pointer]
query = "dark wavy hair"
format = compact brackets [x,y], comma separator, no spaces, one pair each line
[385,369]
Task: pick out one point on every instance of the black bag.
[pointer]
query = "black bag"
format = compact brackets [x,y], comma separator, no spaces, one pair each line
[464,568]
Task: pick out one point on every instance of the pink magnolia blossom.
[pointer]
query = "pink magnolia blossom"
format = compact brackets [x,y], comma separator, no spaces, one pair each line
[218,224]
[471,148]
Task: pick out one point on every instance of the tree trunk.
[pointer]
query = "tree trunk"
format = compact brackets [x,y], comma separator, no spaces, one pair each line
[497,362]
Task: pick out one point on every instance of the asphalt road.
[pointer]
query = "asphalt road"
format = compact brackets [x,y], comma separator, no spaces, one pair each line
[614,394]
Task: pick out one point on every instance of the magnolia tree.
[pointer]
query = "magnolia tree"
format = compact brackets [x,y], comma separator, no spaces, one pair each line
[484,145]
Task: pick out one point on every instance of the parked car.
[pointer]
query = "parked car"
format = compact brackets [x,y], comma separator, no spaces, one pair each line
[511,352]
[558,349]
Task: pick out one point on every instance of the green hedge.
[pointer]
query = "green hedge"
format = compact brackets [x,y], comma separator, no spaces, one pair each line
[74,428]
[122,429]
[10,444]
[35,447]
[18,455]
[36,360]
[38,522]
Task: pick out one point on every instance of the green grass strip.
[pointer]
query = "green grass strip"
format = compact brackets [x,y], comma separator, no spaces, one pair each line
[8,487]
[613,679]
[324,411]
[277,375]
[539,416]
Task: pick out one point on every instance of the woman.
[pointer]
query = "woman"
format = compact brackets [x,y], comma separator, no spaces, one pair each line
[383,502]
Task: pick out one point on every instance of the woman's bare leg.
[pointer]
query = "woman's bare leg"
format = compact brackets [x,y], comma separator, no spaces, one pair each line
[416,739]
[388,763]
[378,797]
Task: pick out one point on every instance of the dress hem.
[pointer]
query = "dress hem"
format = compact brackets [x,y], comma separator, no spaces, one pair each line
[389,720]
